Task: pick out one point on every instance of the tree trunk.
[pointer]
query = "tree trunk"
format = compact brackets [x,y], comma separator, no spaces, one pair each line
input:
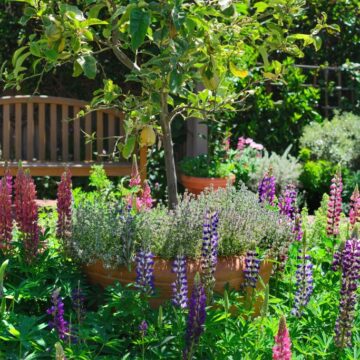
[169,152]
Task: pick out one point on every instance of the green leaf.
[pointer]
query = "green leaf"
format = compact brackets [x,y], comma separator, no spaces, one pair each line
[77,69]
[261,6]
[175,81]
[129,147]
[139,23]
[72,11]
[94,11]
[17,53]
[91,22]
[241,73]
[88,65]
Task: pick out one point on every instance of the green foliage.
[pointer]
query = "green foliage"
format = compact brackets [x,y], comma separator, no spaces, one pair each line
[203,166]
[285,168]
[336,141]
[278,112]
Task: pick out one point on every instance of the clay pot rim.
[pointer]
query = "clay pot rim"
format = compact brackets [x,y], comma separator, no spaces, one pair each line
[188,177]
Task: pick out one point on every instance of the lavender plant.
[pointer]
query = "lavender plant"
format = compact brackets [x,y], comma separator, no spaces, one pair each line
[180,285]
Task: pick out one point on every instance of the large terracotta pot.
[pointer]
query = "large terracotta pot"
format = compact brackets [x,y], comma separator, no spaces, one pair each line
[196,185]
[229,270]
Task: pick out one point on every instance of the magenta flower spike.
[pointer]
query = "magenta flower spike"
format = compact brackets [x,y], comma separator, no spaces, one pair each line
[334,205]
[6,223]
[354,213]
[64,202]
[282,348]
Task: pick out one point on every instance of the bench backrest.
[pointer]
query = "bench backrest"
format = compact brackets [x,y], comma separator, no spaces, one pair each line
[45,129]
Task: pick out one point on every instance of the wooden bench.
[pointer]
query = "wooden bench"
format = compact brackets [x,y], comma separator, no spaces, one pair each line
[44,133]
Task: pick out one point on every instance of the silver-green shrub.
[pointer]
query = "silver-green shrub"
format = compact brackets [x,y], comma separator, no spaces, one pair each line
[285,168]
[100,231]
[337,141]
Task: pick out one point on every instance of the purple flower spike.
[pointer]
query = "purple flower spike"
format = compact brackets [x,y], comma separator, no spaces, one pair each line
[78,299]
[349,263]
[143,328]
[252,268]
[266,189]
[57,312]
[196,318]
[287,202]
[297,228]
[145,271]
[209,252]
[180,285]
[304,283]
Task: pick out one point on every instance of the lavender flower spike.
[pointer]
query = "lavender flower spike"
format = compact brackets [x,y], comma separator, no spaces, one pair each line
[350,266]
[57,312]
[287,202]
[304,281]
[180,285]
[252,268]
[209,252]
[145,271]
[266,189]
[196,318]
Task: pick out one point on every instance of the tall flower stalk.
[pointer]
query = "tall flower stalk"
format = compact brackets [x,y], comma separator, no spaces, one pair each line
[145,271]
[287,202]
[6,222]
[180,285]
[266,189]
[304,280]
[26,212]
[64,202]
[334,205]
[282,348]
[252,268]
[57,313]
[354,213]
[209,252]
[196,318]
[348,262]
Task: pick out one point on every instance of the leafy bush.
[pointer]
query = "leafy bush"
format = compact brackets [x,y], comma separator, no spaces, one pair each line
[336,141]
[285,168]
[103,231]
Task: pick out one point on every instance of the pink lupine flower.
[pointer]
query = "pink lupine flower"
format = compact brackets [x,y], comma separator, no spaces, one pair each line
[26,212]
[334,206]
[146,198]
[354,214]
[64,201]
[282,348]
[5,212]
[135,179]
[241,143]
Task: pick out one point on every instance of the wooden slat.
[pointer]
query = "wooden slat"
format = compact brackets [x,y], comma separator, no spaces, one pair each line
[88,130]
[56,169]
[42,132]
[6,132]
[18,131]
[65,132]
[30,131]
[53,132]
[99,134]
[77,134]
[111,133]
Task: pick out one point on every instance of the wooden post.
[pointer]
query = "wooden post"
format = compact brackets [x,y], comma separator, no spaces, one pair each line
[143,163]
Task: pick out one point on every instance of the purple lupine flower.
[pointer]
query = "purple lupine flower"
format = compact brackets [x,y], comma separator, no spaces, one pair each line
[209,251]
[297,227]
[252,268]
[196,318]
[57,312]
[143,327]
[266,189]
[350,266]
[77,300]
[145,271]
[287,202]
[304,281]
[334,206]
[180,285]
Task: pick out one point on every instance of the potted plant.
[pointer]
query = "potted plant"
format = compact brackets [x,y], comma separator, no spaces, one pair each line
[108,239]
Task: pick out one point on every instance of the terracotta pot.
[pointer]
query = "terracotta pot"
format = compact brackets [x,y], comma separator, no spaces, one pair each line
[196,185]
[229,270]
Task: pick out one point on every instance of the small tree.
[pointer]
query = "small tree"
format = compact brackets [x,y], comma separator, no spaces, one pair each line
[186,56]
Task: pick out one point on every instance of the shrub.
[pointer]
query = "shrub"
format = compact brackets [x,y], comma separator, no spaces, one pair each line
[103,232]
[336,141]
[285,168]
